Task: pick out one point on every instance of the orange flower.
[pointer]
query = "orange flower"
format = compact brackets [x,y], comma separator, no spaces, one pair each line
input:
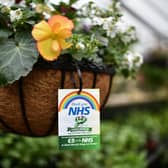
[51,36]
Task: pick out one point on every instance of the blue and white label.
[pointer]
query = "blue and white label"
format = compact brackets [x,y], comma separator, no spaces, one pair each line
[79,119]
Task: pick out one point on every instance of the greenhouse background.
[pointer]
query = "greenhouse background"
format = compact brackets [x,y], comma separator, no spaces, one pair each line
[134,131]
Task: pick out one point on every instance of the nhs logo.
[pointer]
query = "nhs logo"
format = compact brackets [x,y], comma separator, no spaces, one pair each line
[79,111]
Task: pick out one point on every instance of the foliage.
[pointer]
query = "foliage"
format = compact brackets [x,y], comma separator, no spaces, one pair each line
[123,145]
[17,151]
[154,70]
[100,35]
[120,148]
[18,57]
[154,76]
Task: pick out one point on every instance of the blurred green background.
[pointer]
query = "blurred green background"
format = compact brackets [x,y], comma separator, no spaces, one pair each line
[136,140]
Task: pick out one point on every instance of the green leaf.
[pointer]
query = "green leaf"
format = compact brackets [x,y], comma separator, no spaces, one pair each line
[4,33]
[17,58]
[3,20]
[72,1]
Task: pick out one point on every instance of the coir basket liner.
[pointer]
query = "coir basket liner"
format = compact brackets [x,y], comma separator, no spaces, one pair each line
[29,106]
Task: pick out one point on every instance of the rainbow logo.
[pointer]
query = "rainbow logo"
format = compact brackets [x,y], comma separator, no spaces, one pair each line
[85,96]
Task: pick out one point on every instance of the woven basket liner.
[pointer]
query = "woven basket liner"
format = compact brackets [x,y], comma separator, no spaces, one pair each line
[29,106]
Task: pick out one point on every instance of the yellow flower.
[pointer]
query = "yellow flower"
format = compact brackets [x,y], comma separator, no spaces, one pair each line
[51,36]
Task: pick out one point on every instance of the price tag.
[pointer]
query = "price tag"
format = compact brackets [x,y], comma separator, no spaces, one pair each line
[79,119]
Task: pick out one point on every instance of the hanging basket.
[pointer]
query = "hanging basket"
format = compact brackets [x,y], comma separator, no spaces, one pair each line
[29,106]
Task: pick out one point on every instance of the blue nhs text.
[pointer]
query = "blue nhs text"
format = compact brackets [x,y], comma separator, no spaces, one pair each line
[79,111]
